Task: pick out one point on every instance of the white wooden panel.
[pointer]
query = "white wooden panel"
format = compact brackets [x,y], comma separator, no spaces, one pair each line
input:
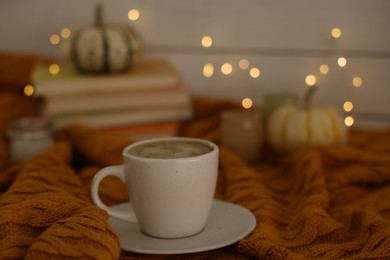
[262,24]
[286,74]
[286,40]
[272,24]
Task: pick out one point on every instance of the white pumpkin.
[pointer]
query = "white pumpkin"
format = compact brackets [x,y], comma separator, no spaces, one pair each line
[291,127]
[105,48]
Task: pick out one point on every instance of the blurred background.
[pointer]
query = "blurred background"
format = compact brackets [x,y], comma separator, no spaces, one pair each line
[237,49]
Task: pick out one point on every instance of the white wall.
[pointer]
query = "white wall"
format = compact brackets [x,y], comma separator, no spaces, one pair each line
[286,40]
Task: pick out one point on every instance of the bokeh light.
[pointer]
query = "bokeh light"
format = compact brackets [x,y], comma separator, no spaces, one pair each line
[207,41]
[310,80]
[65,33]
[54,39]
[254,72]
[348,121]
[247,103]
[336,33]
[28,90]
[357,82]
[243,64]
[226,68]
[133,14]
[208,70]
[324,69]
[347,106]
[342,61]
[54,69]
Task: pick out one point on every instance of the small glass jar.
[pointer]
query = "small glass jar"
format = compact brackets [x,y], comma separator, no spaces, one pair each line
[241,131]
[29,136]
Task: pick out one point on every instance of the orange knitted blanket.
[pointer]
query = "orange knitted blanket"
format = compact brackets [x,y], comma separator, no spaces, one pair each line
[321,202]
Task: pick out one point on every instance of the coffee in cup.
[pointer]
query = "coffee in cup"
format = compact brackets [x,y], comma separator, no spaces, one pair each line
[171,182]
[170,149]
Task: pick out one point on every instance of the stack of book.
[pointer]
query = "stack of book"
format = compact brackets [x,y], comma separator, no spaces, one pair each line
[150,94]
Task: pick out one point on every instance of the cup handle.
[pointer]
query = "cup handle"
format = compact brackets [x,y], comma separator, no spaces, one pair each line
[118,171]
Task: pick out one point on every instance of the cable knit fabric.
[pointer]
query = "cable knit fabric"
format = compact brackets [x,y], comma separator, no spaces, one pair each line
[320,202]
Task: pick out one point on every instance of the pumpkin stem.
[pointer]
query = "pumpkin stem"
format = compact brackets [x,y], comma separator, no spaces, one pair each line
[99,15]
[308,97]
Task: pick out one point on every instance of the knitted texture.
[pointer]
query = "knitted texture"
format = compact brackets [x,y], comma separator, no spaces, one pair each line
[320,202]
[46,213]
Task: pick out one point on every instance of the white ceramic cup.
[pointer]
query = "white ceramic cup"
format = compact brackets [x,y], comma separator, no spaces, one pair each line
[170,197]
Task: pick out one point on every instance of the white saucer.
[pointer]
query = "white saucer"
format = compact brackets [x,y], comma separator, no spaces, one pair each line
[227,224]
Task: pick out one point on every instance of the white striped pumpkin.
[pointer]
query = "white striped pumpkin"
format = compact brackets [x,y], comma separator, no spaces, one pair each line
[105,48]
[290,128]
[112,48]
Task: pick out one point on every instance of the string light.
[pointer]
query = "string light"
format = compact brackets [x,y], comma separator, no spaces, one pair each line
[310,80]
[348,106]
[207,41]
[243,64]
[133,14]
[226,68]
[208,70]
[357,82]
[336,33]
[65,33]
[254,72]
[342,61]
[54,69]
[324,69]
[28,90]
[348,121]
[247,103]
[54,39]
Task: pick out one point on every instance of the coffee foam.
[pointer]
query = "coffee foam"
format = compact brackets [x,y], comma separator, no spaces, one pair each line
[170,149]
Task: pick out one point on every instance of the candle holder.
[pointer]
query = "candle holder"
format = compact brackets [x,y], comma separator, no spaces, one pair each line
[241,131]
[28,136]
